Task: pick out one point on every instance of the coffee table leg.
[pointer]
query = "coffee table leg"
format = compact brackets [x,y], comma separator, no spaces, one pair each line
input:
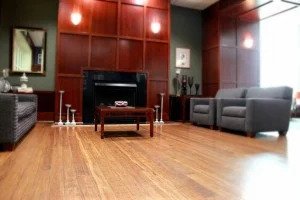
[150,114]
[137,123]
[102,126]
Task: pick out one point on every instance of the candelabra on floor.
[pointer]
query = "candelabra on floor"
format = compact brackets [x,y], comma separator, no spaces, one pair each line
[68,109]
[162,107]
[61,92]
[156,114]
[73,123]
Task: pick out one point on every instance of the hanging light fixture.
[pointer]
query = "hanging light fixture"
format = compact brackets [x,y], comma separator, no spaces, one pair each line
[76,17]
[155,27]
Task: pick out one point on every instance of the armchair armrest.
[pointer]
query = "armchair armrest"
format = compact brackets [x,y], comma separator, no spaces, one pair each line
[8,117]
[267,115]
[221,103]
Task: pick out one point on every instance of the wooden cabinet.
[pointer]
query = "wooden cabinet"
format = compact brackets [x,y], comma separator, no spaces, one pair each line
[180,107]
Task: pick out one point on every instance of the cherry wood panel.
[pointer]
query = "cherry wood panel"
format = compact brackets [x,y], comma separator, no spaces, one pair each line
[73,54]
[210,90]
[155,62]
[163,4]
[228,31]
[131,55]
[73,95]
[46,105]
[228,70]
[65,11]
[103,53]
[248,67]
[246,29]
[160,16]
[154,90]
[134,2]
[211,27]
[132,21]
[104,19]
[210,61]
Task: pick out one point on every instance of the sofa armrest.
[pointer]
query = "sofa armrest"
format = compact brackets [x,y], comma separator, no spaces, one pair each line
[267,115]
[8,117]
[221,103]
[27,97]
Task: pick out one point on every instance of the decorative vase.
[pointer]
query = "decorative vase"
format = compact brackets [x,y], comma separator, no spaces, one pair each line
[183,84]
[190,82]
[197,85]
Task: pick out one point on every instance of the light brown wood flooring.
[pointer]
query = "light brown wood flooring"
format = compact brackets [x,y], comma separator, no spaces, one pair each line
[181,161]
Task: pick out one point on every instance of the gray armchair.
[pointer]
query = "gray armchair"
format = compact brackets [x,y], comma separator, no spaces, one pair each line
[203,110]
[263,109]
[18,115]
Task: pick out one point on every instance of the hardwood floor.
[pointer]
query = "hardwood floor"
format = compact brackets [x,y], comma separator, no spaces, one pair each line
[179,162]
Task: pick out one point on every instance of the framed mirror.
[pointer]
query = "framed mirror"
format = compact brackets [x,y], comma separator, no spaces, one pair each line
[28,51]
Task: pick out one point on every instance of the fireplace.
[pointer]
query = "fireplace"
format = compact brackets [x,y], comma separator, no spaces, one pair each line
[104,88]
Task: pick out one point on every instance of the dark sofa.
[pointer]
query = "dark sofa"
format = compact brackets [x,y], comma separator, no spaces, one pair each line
[18,114]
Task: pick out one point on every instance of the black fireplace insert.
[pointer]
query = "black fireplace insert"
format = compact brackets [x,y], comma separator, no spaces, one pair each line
[104,88]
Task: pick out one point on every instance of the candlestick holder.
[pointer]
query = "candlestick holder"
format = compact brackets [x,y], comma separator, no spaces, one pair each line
[156,114]
[68,109]
[73,117]
[162,107]
[61,92]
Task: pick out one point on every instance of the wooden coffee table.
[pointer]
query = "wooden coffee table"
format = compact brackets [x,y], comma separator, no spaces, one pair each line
[136,112]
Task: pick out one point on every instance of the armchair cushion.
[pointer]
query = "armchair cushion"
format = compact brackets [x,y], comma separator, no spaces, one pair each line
[201,109]
[235,111]
[25,108]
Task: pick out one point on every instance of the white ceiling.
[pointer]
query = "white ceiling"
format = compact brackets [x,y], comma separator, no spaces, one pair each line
[194,4]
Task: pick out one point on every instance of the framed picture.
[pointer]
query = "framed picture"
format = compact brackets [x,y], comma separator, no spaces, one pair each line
[183,58]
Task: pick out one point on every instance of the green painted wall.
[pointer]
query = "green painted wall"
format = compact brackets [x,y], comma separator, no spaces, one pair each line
[186,32]
[30,13]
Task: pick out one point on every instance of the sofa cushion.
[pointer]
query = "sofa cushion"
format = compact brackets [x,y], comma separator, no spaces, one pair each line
[201,109]
[25,108]
[234,111]
[272,92]
[231,93]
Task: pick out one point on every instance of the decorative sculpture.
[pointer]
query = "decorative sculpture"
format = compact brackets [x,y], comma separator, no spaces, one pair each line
[68,109]
[177,84]
[156,114]
[60,123]
[162,107]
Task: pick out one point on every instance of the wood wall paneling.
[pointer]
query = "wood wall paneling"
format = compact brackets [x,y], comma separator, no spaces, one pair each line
[131,55]
[160,16]
[46,105]
[114,37]
[210,90]
[65,10]
[134,2]
[228,69]
[132,21]
[73,95]
[103,53]
[211,35]
[211,71]
[104,19]
[248,70]
[155,61]
[163,4]
[73,54]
